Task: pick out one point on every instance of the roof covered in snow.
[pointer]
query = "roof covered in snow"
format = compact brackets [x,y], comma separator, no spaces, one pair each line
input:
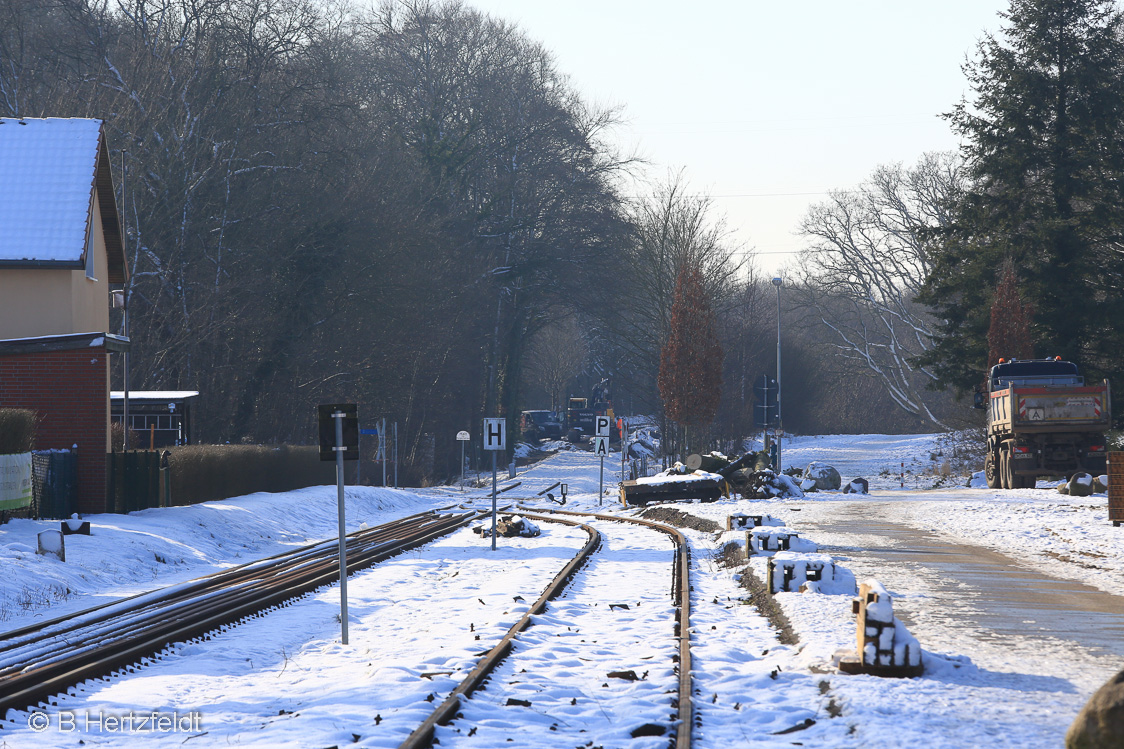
[153,395]
[49,170]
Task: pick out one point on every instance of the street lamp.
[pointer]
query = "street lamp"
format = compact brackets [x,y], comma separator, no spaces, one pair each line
[780,423]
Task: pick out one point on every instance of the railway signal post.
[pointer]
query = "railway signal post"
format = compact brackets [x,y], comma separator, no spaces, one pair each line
[495,440]
[601,449]
[339,431]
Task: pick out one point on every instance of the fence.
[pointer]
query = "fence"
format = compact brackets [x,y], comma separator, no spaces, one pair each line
[54,483]
[133,481]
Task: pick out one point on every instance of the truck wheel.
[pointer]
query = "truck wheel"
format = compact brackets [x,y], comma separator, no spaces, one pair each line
[991,471]
[1006,478]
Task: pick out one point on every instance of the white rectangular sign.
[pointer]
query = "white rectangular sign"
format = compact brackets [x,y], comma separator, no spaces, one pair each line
[495,434]
[601,446]
[602,429]
[15,481]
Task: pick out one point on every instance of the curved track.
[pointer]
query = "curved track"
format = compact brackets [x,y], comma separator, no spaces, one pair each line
[47,658]
[451,707]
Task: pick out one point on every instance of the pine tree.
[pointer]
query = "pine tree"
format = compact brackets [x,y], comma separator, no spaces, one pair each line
[690,379]
[1042,141]
[1008,336]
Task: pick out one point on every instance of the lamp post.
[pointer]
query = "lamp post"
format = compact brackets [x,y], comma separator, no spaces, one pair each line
[780,423]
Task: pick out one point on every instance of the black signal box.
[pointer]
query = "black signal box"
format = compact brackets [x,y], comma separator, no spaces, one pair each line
[327,424]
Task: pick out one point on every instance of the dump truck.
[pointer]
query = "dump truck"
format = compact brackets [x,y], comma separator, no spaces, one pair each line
[1042,419]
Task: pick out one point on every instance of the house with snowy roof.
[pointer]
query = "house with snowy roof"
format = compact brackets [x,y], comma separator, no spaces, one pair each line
[60,253]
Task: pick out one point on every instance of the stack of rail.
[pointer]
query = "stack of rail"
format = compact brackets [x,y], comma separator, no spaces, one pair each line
[47,658]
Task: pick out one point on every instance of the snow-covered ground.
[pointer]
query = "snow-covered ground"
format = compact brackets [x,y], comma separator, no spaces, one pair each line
[417,622]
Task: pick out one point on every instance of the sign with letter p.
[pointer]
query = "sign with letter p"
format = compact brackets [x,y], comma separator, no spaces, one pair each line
[602,423]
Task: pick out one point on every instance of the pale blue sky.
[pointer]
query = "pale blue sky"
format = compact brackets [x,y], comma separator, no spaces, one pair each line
[760,100]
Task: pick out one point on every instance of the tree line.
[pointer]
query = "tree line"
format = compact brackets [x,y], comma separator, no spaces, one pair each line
[409,207]
[1012,247]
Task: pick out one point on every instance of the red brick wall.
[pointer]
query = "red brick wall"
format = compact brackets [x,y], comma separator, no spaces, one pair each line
[70,391]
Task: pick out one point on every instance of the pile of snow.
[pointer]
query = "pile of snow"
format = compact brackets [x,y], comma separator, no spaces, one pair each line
[740,521]
[674,475]
[790,570]
[766,540]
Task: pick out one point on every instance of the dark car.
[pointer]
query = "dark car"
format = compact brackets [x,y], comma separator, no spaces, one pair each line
[541,425]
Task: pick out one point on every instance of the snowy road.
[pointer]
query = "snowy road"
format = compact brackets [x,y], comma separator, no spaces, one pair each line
[1014,595]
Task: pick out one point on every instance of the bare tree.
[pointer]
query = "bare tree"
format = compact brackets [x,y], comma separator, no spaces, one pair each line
[671,228]
[558,354]
[865,264]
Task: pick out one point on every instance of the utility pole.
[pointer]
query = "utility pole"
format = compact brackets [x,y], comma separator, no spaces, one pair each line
[780,422]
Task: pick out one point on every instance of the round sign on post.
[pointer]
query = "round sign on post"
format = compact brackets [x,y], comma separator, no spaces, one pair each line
[462,437]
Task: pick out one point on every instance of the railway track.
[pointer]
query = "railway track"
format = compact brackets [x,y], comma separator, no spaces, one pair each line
[47,658]
[682,718]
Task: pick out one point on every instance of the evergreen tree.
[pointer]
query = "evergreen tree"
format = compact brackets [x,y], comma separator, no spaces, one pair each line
[1042,141]
[690,379]
[1008,336]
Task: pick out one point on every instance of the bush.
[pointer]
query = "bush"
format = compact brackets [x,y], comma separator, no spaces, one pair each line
[17,431]
[203,473]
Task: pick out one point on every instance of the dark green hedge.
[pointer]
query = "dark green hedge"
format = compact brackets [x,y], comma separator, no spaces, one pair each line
[202,473]
[17,431]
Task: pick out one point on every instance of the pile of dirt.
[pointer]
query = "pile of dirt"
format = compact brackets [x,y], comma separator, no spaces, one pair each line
[680,519]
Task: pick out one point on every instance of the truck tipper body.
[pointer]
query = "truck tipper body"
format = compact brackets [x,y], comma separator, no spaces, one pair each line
[1042,419]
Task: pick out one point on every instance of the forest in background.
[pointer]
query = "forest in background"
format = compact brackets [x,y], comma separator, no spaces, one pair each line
[410,208]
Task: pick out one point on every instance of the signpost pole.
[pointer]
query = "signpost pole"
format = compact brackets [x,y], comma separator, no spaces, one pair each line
[624,446]
[493,500]
[495,439]
[462,437]
[601,482]
[382,442]
[601,429]
[338,416]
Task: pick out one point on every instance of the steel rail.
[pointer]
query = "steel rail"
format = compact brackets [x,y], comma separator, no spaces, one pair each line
[422,736]
[681,595]
[284,573]
[298,575]
[42,646]
[198,585]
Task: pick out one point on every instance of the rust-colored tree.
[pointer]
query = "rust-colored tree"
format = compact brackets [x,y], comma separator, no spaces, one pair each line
[690,379]
[1008,336]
